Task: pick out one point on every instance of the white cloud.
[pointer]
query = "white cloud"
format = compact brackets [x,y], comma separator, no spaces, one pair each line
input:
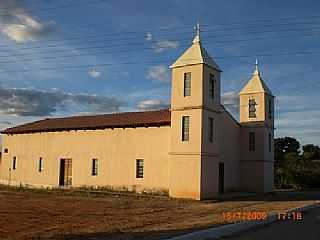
[231,101]
[20,26]
[148,36]
[152,104]
[95,73]
[163,45]
[159,73]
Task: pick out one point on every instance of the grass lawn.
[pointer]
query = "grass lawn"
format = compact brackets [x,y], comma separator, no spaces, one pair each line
[29,214]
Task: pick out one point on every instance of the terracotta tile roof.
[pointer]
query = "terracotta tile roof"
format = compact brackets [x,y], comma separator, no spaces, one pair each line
[117,120]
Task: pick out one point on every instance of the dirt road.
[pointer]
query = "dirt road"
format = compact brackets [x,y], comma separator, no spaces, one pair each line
[30,215]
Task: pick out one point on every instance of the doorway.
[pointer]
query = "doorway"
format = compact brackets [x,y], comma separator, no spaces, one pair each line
[65,178]
[221,177]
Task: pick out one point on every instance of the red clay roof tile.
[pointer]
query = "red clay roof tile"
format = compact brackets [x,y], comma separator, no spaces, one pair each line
[116,120]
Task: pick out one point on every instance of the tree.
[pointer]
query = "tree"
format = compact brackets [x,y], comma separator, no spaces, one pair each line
[284,146]
[291,171]
[286,161]
[311,152]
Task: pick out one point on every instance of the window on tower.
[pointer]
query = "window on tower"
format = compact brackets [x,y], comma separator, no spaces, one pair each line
[187,84]
[185,128]
[210,129]
[252,108]
[211,87]
[270,142]
[270,108]
[252,141]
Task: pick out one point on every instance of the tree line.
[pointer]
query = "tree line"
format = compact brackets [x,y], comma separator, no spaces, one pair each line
[296,166]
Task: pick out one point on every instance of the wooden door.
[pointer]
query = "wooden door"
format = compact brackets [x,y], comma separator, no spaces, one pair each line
[65,172]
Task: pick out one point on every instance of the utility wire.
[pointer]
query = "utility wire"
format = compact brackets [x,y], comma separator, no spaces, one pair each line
[106,51]
[300,53]
[111,46]
[114,35]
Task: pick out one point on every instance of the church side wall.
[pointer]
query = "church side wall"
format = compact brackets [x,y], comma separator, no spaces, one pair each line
[227,132]
[230,151]
[116,150]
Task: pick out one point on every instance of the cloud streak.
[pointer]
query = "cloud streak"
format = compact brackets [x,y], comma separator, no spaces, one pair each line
[30,102]
[152,104]
[163,45]
[158,73]
[94,73]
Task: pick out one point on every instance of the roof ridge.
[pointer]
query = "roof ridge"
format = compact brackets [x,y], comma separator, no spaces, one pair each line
[104,114]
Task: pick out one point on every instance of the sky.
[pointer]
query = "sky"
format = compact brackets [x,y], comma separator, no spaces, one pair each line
[75,57]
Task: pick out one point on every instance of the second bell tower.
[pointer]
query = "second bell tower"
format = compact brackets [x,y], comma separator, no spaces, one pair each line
[257,134]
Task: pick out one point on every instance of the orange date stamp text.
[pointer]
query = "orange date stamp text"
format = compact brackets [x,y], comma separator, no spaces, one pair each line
[250,215]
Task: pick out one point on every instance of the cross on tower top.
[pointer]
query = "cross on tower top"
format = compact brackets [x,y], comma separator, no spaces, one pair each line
[198,31]
[197,28]
[256,70]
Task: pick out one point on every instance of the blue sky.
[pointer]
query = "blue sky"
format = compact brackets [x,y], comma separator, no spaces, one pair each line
[69,57]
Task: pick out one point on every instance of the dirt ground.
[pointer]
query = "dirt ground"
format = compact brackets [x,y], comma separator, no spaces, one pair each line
[28,214]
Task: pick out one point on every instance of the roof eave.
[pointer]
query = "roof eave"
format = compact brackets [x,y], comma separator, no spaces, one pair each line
[190,64]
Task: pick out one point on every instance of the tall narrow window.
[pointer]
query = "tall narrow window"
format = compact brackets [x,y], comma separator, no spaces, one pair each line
[270,108]
[252,141]
[185,128]
[187,84]
[210,129]
[14,163]
[270,142]
[211,86]
[40,165]
[94,168]
[139,168]
[252,108]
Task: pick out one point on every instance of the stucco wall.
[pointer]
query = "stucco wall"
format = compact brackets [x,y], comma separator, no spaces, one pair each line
[185,174]
[178,100]
[230,151]
[116,150]
[257,164]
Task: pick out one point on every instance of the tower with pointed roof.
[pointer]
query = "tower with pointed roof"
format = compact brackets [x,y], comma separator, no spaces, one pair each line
[257,134]
[195,120]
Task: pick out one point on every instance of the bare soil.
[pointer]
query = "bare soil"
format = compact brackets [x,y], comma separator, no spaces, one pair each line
[29,214]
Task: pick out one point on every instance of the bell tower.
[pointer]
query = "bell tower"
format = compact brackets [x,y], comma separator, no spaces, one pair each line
[195,110]
[257,134]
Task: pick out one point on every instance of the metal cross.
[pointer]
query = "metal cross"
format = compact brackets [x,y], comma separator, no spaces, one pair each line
[197,28]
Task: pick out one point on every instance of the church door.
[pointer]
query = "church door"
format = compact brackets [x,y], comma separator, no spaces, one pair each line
[221,177]
[65,172]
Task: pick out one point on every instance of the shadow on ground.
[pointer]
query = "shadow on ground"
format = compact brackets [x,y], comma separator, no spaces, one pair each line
[151,235]
[269,197]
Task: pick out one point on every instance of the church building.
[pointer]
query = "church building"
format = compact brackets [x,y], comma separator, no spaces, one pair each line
[196,149]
